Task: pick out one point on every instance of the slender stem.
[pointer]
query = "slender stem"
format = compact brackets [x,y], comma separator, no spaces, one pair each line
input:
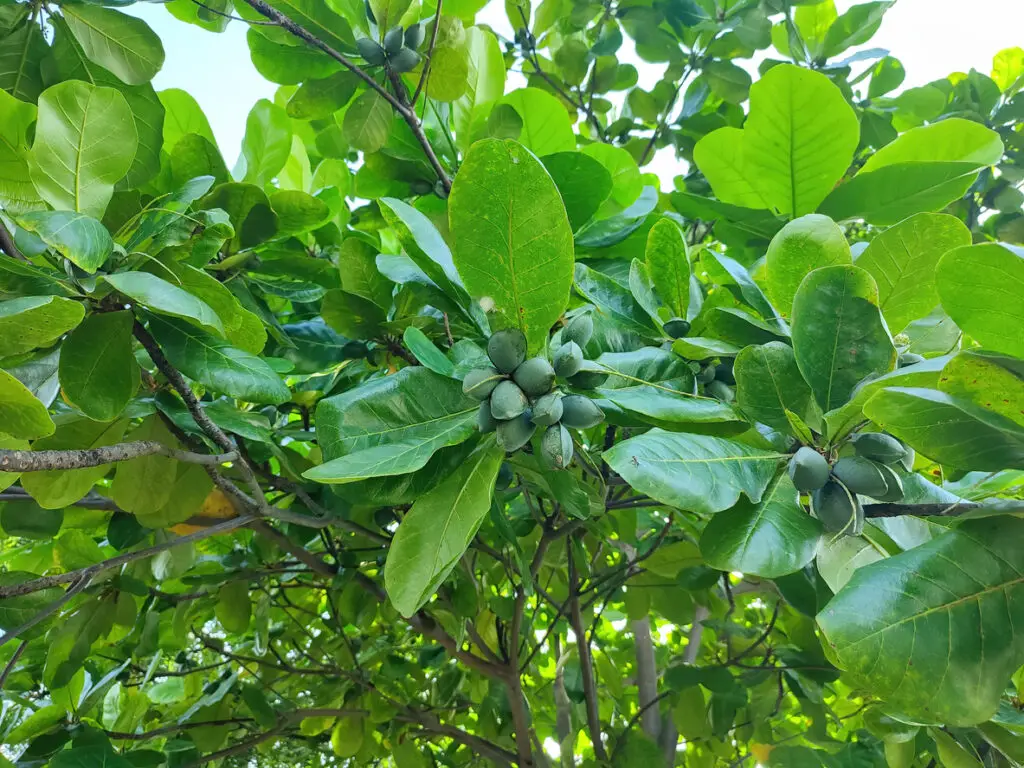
[7,243]
[231,16]
[430,53]
[409,115]
[35,461]
[586,664]
[12,662]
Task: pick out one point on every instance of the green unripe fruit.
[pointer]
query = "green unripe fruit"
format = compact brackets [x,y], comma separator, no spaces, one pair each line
[808,469]
[720,390]
[548,409]
[909,358]
[507,401]
[838,509]
[370,51]
[515,433]
[588,379]
[723,371]
[485,420]
[393,40]
[505,476]
[579,329]
[707,374]
[414,36]
[556,447]
[580,412]
[907,460]
[535,376]
[568,359]
[507,349]
[894,486]
[676,328]
[861,475]
[878,446]
[405,60]
[480,382]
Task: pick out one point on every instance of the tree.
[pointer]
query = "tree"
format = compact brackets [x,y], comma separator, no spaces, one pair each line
[436,433]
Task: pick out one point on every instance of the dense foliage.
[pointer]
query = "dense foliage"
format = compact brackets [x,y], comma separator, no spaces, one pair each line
[437,433]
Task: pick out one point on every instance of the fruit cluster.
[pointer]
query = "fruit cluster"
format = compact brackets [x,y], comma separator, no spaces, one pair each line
[869,471]
[718,380]
[517,395]
[399,50]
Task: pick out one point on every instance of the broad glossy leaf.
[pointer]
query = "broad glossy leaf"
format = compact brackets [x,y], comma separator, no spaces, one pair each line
[768,383]
[158,295]
[512,240]
[248,206]
[769,539]
[17,193]
[612,300]
[952,140]
[183,116]
[320,98]
[839,337]
[318,18]
[719,155]
[413,404]
[21,56]
[21,413]
[424,244]
[582,182]
[932,630]
[855,27]
[54,489]
[627,184]
[702,347]
[449,72]
[667,407]
[368,122]
[98,372]
[485,84]
[85,143]
[950,430]
[30,322]
[351,315]
[993,381]
[980,286]
[267,142]
[298,212]
[288,64]
[437,530]
[606,232]
[668,264]
[785,152]
[546,125]
[75,236]
[803,245]
[123,44]
[217,364]
[693,472]
[903,260]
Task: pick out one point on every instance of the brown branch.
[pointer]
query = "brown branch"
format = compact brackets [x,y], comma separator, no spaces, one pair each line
[949,509]
[44,582]
[231,16]
[167,729]
[239,748]
[395,348]
[520,716]
[409,115]
[36,461]
[426,64]
[12,662]
[586,664]
[297,551]
[7,243]
[477,744]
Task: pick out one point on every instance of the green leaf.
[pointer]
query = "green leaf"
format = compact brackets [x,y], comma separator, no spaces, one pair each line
[123,44]
[234,607]
[217,364]
[855,27]
[791,111]
[28,520]
[546,125]
[583,183]
[183,116]
[98,372]
[351,315]
[319,98]
[627,184]
[987,379]
[21,56]
[424,245]
[695,472]
[720,157]
[612,300]
[288,64]
[668,264]
[158,295]
[367,122]
[449,72]
[903,261]
[30,322]
[21,413]
[298,212]
[267,142]
[85,143]
[839,337]
[485,84]
[15,611]
[57,488]
[17,193]
[979,288]
[950,430]
[357,263]
[768,383]
[248,206]
[954,140]
[512,240]
[701,348]
[425,351]
[769,539]
[75,236]
[414,404]
[438,529]
[802,245]
[932,630]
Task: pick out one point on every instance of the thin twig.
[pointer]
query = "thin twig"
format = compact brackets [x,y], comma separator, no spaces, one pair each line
[430,53]
[235,18]
[77,586]
[13,661]
[36,461]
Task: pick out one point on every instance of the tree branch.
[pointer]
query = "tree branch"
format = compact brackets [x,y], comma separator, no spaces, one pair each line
[35,461]
[12,663]
[949,509]
[77,586]
[646,677]
[586,664]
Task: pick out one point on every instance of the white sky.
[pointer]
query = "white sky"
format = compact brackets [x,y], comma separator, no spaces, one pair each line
[931,37]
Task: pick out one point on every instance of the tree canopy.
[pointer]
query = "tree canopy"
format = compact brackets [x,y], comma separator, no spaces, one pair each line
[437,431]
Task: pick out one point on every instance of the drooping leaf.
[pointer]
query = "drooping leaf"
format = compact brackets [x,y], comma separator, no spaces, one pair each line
[21,413]
[30,322]
[512,240]
[98,372]
[932,630]
[79,238]
[903,260]
[161,296]
[267,142]
[839,337]
[772,538]
[17,193]
[21,56]
[438,528]
[694,472]
[122,44]
[614,301]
